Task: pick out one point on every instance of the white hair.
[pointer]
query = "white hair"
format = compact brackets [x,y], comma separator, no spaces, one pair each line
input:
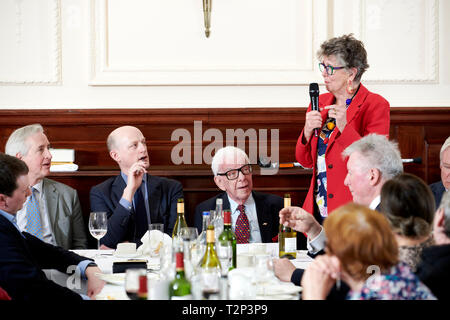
[444,147]
[380,153]
[228,152]
[17,140]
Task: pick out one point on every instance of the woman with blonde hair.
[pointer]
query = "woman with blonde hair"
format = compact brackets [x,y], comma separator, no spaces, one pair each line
[362,251]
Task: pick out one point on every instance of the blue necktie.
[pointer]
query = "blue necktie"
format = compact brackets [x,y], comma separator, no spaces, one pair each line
[34,224]
[140,216]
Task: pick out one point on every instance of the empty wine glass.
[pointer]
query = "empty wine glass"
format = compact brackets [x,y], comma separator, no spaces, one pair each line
[98,225]
[188,236]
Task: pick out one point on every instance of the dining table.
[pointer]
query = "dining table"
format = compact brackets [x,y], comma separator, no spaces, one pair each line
[244,282]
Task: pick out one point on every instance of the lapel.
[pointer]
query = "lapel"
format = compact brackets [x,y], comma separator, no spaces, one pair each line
[154,197]
[51,201]
[117,189]
[261,212]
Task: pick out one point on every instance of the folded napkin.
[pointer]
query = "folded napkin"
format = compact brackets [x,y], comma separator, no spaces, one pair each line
[144,249]
[68,167]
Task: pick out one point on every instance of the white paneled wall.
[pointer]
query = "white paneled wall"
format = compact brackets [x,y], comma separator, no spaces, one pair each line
[261,53]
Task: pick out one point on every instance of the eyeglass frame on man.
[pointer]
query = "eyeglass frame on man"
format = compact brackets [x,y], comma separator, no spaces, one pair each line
[250,170]
[322,67]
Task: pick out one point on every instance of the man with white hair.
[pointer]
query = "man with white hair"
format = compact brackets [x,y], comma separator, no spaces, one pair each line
[52,211]
[134,199]
[438,188]
[372,161]
[233,175]
[433,271]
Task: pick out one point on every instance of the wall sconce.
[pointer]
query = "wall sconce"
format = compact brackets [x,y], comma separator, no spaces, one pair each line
[207,15]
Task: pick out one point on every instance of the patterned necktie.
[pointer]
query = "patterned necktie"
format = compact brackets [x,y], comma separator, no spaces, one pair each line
[140,217]
[34,225]
[242,229]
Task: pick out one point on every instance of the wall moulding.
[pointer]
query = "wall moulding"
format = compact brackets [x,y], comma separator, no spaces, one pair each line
[30,38]
[168,46]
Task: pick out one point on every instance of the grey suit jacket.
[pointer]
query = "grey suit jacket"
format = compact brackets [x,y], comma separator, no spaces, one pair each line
[66,218]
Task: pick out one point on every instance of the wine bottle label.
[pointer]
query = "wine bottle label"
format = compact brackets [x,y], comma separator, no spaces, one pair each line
[210,236]
[180,207]
[186,297]
[287,202]
[290,244]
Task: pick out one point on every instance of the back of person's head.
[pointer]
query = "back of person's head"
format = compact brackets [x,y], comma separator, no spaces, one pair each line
[11,168]
[444,147]
[445,205]
[228,154]
[17,140]
[360,237]
[408,204]
[380,153]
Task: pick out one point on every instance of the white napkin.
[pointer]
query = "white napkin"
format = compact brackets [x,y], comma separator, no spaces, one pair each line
[144,249]
[69,167]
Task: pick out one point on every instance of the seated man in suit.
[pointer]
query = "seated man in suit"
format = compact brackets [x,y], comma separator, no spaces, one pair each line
[61,220]
[433,271]
[233,175]
[134,199]
[372,161]
[22,255]
[438,188]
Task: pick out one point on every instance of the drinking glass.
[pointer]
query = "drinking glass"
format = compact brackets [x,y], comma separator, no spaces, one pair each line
[134,280]
[156,238]
[224,250]
[98,226]
[188,236]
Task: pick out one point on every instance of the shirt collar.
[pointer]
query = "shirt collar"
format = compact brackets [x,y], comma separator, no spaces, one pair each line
[375,202]
[233,205]
[11,217]
[39,186]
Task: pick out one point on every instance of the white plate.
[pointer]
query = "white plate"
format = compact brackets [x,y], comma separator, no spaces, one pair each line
[113,278]
[127,255]
[278,289]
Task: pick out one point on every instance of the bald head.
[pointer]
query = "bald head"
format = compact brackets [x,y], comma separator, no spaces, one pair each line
[126,146]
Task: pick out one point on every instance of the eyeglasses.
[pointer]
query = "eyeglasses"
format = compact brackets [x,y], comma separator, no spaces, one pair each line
[329,69]
[233,174]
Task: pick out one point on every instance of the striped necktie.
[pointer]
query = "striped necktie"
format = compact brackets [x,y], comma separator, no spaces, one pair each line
[242,229]
[34,224]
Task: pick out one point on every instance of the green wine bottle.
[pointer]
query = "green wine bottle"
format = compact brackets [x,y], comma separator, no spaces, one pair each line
[287,238]
[226,246]
[210,268]
[180,287]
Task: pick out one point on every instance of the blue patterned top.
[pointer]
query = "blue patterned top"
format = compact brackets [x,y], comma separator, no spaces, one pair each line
[400,283]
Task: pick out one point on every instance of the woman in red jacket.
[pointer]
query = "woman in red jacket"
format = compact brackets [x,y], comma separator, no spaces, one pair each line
[348,112]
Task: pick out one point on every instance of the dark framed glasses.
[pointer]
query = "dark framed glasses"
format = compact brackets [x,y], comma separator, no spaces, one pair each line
[233,174]
[329,69]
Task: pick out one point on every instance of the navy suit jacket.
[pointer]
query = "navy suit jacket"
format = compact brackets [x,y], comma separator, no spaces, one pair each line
[438,190]
[163,194]
[267,208]
[22,260]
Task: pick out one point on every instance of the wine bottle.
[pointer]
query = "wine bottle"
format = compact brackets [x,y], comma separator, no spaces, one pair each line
[218,219]
[226,246]
[202,236]
[287,238]
[180,223]
[210,268]
[180,287]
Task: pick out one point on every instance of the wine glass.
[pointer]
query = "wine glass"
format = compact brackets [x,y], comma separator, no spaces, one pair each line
[224,250]
[188,236]
[98,226]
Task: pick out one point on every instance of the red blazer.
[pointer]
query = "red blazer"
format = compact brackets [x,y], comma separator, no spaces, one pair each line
[368,113]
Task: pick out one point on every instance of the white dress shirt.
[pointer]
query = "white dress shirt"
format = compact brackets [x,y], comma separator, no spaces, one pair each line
[22,214]
[250,210]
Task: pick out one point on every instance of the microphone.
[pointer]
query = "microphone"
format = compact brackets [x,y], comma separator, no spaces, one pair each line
[264,162]
[314,95]
[414,160]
